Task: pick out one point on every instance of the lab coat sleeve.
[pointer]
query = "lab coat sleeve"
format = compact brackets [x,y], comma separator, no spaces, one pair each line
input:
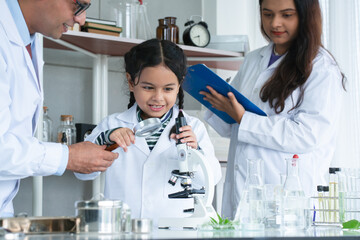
[21,154]
[221,127]
[311,126]
[103,126]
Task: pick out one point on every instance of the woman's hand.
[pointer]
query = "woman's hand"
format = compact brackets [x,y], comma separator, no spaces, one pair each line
[123,137]
[186,136]
[226,104]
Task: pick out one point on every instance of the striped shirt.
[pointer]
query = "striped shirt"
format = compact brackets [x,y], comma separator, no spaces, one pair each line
[104,137]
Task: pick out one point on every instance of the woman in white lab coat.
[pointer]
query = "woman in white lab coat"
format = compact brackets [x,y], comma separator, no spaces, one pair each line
[140,175]
[298,84]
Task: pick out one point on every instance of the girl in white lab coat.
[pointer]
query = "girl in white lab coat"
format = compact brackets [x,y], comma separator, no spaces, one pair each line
[155,70]
[299,86]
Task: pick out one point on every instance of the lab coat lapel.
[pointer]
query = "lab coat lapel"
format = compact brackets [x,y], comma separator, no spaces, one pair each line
[164,142]
[265,58]
[15,39]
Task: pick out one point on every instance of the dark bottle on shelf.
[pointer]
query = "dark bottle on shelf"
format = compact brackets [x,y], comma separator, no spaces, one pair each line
[173,29]
[162,31]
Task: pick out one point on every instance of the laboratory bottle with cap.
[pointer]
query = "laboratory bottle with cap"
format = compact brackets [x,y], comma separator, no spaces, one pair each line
[66,133]
[294,201]
[47,126]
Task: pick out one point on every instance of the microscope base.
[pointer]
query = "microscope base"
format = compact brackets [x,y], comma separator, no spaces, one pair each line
[192,222]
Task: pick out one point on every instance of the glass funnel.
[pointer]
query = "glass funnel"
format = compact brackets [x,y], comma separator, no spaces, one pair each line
[250,211]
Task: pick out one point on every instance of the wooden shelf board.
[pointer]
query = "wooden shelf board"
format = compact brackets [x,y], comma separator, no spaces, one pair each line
[118,46]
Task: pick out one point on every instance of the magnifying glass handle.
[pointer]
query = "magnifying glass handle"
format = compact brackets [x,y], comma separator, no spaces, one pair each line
[111,147]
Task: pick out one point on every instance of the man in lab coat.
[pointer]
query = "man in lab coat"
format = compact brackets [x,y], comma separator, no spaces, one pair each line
[21,97]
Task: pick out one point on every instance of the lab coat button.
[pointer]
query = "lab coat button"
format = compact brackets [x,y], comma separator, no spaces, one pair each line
[236,167]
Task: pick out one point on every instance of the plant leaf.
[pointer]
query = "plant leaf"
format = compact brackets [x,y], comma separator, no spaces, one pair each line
[352,224]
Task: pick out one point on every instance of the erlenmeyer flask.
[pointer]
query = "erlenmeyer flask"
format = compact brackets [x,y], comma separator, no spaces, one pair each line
[143,29]
[250,211]
[294,201]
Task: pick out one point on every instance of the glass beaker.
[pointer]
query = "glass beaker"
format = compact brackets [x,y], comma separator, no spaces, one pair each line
[295,205]
[250,211]
[125,15]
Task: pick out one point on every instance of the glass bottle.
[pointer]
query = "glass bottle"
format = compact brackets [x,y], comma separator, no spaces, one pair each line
[294,201]
[66,131]
[162,31]
[250,211]
[173,29]
[47,126]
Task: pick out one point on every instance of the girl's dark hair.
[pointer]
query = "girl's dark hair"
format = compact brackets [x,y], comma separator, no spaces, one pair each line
[297,65]
[152,53]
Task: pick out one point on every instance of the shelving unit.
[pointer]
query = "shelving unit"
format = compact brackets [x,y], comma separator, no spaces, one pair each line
[100,47]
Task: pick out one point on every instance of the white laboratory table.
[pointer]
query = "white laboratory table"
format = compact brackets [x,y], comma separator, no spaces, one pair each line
[328,233]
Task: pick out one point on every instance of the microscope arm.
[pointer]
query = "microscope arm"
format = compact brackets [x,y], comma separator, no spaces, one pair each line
[194,158]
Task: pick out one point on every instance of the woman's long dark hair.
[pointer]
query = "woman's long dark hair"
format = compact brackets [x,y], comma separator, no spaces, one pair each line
[152,53]
[297,65]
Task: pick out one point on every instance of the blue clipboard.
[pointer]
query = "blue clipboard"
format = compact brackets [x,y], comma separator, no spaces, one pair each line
[199,76]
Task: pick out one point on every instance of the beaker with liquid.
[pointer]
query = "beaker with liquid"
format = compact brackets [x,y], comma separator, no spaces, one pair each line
[250,211]
[295,204]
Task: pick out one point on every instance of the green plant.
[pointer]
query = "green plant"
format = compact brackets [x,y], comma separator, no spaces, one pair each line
[352,224]
[221,223]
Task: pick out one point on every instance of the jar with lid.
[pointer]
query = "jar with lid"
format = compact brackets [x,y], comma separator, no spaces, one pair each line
[47,126]
[66,132]
[173,29]
[162,31]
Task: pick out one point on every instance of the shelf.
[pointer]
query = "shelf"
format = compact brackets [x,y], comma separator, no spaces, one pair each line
[118,46]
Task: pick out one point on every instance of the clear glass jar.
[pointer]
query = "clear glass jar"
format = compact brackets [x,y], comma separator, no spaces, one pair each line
[66,132]
[47,126]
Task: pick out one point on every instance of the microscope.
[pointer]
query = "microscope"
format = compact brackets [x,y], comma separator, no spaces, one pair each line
[189,160]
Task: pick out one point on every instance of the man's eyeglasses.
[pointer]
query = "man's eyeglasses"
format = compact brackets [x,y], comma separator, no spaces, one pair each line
[81,7]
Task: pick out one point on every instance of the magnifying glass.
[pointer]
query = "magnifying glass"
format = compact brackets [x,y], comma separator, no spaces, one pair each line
[142,129]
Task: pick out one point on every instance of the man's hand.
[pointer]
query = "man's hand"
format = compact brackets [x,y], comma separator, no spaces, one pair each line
[87,157]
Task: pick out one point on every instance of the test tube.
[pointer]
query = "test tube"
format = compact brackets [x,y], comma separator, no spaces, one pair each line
[321,210]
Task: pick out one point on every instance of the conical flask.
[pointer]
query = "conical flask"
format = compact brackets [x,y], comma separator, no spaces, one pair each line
[294,201]
[250,211]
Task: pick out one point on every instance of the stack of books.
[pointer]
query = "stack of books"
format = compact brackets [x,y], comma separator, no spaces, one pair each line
[99,26]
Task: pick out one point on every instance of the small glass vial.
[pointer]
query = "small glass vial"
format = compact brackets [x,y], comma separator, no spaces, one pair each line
[173,29]
[47,126]
[66,133]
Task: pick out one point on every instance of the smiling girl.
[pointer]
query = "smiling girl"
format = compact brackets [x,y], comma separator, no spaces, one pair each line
[299,86]
[155,70]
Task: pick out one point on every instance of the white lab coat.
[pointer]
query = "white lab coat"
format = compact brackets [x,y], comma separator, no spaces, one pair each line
[309,130]
[140,177]
[21,98]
